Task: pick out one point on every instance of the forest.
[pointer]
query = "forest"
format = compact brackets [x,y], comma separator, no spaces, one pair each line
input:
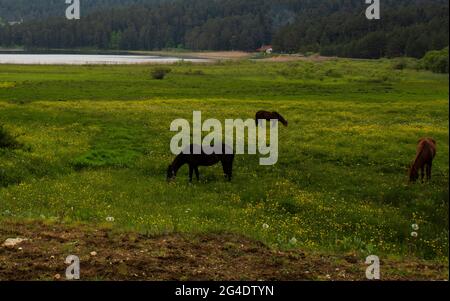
[329,27]
[15,10]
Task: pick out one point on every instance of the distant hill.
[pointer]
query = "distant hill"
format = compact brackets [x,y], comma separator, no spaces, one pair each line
[331,27]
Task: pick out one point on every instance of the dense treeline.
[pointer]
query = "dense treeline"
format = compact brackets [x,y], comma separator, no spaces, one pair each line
[408,28]
[17,10]
[331,27]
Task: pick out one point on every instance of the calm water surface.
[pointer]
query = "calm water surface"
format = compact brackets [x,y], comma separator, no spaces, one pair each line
[88,59]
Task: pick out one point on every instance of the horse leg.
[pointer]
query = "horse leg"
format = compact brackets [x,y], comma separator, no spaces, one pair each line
[224,168]
[230,173]
[230,170]
[422,172]
[191,171]
[227,170]
[430,166]
[197,174]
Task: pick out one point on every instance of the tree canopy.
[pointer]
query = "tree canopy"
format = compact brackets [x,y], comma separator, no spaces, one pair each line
[330,27]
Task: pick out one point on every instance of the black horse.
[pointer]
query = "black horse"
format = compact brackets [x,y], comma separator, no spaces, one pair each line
[226,157]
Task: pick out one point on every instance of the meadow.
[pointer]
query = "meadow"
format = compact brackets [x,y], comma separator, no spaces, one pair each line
[95,144]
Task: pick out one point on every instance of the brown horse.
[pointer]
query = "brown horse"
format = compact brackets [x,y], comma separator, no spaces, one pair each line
[264,115]
[426,151]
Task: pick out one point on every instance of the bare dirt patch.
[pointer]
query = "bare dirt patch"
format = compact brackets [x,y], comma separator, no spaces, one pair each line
[108,255]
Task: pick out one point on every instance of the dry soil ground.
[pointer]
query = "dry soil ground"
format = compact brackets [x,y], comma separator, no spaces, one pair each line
[130,256]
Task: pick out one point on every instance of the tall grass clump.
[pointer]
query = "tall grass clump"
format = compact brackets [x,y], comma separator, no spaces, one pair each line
[7,140]
[160,73]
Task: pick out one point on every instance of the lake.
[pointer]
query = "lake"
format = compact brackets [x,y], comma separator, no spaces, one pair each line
[89,59]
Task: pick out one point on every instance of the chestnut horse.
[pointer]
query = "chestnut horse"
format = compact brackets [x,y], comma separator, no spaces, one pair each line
[264,115]
[426,151]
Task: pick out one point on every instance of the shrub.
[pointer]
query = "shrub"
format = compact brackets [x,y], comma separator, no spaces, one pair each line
[195,72]
[435,61]
[333,73]
[399,64]
[404,63]
[7,140]
[160,73]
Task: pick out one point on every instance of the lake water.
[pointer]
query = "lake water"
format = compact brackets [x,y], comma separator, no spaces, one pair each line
[89,59]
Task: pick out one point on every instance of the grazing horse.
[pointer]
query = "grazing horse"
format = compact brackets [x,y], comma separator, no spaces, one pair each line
[426,151]
[226,157]
[264,115]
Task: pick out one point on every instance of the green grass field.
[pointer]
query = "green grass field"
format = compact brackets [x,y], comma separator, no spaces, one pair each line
[96,145]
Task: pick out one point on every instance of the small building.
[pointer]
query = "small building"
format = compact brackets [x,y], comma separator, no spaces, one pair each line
[267,49]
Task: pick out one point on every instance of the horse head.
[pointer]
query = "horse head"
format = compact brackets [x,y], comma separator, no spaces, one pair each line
[280,118]
[413,173]
[171,174]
